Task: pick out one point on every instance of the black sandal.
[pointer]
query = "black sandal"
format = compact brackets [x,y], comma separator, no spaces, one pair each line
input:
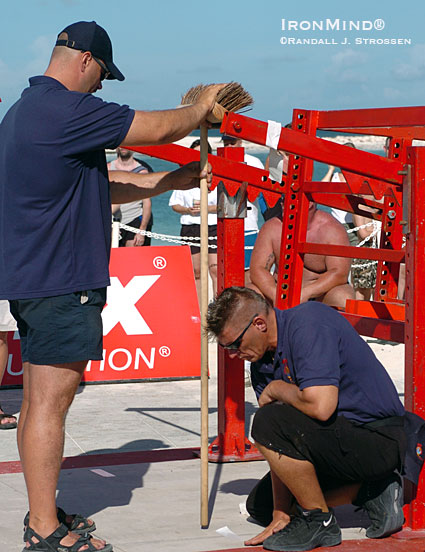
[52,542]
[10,425]
[79,524]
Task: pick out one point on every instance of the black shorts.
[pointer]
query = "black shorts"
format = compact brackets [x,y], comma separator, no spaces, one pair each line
[340,451]
[127,235]
[194,231]
[60,329]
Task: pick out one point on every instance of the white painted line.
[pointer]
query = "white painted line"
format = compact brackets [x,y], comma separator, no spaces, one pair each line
[103,473]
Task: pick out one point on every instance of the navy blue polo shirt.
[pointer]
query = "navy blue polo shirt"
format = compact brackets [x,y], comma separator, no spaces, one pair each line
[317,346]
[55,209]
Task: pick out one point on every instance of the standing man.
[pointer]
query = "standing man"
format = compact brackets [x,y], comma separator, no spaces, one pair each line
[137,214]
[55,212]
[330,422]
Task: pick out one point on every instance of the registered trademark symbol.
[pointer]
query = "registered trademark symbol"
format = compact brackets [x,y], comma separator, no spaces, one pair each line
[379,24]
[159,262]
[164,351]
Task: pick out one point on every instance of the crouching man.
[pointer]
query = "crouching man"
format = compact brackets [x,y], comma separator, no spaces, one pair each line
[330,423]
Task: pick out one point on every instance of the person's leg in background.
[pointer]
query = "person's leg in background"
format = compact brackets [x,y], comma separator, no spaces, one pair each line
[196,262]
[6,421]
[7,324]
[212,267]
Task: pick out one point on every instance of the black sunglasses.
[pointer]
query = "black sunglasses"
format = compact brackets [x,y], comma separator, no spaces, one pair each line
[236,344]
[105,73]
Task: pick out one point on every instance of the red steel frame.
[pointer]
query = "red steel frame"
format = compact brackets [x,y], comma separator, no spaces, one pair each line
[231,443]
[397,184]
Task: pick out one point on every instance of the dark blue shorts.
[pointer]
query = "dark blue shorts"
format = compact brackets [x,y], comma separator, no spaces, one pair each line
[60,329]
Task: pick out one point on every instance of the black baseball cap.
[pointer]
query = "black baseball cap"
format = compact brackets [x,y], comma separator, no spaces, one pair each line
[227,138]
[88,36]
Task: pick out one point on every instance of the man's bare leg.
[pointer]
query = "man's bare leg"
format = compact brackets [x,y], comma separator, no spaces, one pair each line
[299,476]
[196,262]
[48,396]
[363,294]
[298,480]
[24,410]
[342,495]
[212,267]
[337,296]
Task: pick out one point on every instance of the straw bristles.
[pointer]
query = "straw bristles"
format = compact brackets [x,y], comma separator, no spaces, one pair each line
[232,97]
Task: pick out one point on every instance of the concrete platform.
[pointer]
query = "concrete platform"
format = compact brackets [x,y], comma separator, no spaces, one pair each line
[131,467]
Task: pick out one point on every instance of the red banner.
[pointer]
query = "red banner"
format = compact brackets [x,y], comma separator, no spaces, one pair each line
[151,321]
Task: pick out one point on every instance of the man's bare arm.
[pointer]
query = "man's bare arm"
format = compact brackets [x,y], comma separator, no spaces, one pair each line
[329,174]
[262,260]
[337,268]
[317,402]
[127,187]
[164,127]
[336,274]
[147,212]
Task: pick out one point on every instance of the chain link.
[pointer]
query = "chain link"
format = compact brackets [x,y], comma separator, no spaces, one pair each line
[372,236]
[187,240]
[166,237]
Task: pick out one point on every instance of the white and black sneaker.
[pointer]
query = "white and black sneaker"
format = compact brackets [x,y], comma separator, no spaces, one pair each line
[307,530]
[383,501]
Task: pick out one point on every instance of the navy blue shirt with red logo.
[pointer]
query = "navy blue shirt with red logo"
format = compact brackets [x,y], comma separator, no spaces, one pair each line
[317,346]
[55,209]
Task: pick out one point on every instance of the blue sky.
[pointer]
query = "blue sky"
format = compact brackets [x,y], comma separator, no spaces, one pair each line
[164,47]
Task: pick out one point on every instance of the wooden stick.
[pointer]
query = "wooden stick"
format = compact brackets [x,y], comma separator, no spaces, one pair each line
[204,339]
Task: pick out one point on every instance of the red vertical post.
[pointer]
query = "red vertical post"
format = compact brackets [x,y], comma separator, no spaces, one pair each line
[387,274]
[414,330]
[231,445]
[295,218]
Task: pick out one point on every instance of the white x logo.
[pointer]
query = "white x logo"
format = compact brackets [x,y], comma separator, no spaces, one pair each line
[121,307]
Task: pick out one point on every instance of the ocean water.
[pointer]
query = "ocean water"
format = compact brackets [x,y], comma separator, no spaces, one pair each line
[167,221]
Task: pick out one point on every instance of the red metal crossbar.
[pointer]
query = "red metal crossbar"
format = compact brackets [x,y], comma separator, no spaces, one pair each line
[228,171]
[384,117]
[310,147]
[351,252]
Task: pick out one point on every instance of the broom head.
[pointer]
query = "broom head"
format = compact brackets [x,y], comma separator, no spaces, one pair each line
[232,97]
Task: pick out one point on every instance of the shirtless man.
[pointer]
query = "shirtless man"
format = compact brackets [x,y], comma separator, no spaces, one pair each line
[324,277]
